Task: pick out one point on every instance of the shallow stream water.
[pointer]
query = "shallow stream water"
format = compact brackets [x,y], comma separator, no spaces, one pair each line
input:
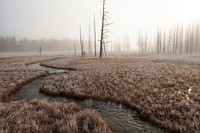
[120,118]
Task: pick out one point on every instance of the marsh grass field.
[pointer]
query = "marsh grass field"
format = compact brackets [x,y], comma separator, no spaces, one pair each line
[163,89]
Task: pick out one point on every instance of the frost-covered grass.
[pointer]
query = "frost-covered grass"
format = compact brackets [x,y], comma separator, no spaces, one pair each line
[12,78]
[80,64]
[164,90]
[14,73]
[26,59]
[43,117]
[40,116]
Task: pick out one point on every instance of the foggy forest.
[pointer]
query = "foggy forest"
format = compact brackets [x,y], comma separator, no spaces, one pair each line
[100,66]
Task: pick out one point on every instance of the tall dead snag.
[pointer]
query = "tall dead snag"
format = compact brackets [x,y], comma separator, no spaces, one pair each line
[124,45]
[81,42]
[104,49]
[111,47]
[197,47]
[145,44]
[192,39]
[181,40]
[127,43]
[177,38]
[142,45]
[187,40]
[104,29]
[40,50]
[169,42]
[139,42]
[164,42]
[158,41]
[174,42]
[89,42]
[74,47]
[95,50]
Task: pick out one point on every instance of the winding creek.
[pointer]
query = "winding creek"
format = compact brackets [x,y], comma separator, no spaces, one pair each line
[120,118]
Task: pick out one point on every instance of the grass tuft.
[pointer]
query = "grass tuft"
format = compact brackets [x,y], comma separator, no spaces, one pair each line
[156,88]
[41,116]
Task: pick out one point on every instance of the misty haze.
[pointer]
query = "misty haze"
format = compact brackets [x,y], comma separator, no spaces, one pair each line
[100,66]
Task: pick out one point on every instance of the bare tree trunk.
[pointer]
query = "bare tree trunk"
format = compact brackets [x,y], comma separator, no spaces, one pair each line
[40,50]
[160,46]
[177,38]
[89,42]
[169,43]
[191,40]
[158,41]
[174,43]
[187,40]
[196,39]
[145,44]
[74,48]
[124,45]
[127,43]
[102,29]
[111,47]
[95,50]
[105,49]
[142,45]
[82,53]
[181,41]
[164,44]
[119,46]
[139,42]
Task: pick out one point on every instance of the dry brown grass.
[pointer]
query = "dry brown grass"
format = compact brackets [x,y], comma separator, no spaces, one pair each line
[88,63]
[25,59]
[157,89]
[13,79]
[43,117]
[40,116]
[14,74]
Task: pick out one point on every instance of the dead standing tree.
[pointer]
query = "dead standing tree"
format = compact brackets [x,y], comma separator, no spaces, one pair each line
[104,28]
[82,44]
[40,50]
[74,47]
[139,42]
[89,42]
[95,50]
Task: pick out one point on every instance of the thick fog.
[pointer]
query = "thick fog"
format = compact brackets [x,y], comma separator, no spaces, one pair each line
[61,19]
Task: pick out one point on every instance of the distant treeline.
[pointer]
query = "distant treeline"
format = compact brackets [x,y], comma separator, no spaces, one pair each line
[178,40]
[11,44]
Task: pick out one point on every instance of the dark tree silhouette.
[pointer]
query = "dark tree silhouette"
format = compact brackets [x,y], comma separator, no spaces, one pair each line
[104,28]
[82,44]
[40,50]
[95,45]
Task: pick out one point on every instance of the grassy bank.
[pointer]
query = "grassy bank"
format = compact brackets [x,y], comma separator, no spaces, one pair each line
[161,90]
[39,115]
[43,117]
[14,73]
[12,79]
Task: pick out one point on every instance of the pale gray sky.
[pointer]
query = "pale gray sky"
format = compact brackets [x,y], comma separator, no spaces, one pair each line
[62,18]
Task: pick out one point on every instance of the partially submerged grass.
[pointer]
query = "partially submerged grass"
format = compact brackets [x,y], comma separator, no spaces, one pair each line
[12,79]
[158,90]
[14,73]
[40,116]
[43,117]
